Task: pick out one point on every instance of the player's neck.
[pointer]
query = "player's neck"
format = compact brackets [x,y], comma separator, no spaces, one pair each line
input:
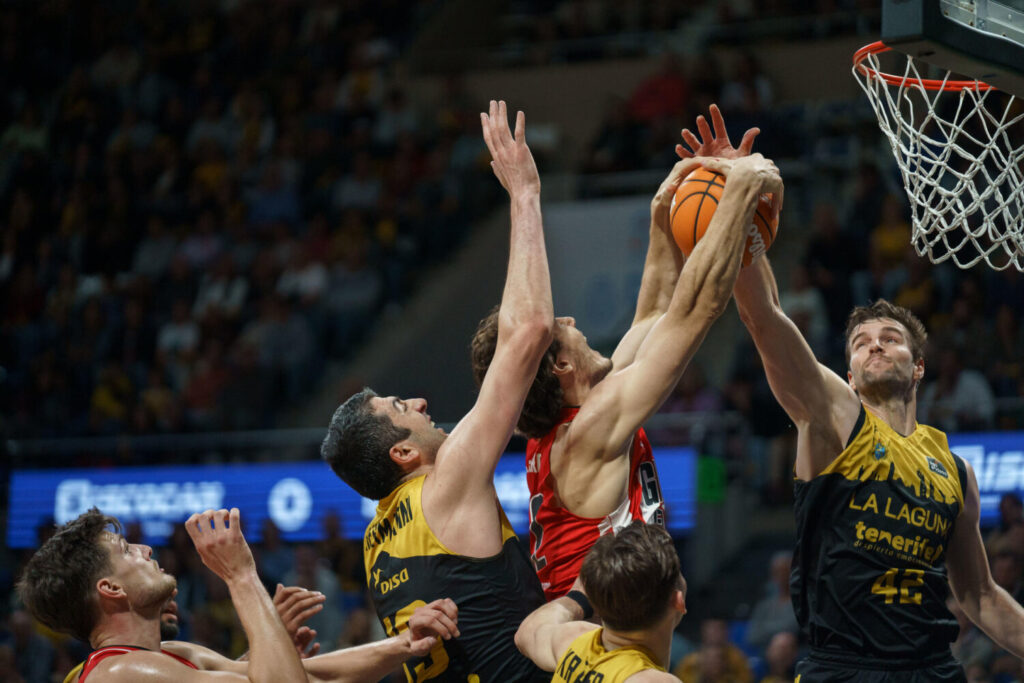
[898,413]
[127,628]
[658,640]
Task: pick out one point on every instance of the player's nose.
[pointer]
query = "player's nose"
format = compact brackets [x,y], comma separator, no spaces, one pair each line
[419,404]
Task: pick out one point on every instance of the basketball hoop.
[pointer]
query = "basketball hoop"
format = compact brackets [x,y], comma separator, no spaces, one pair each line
[961,157]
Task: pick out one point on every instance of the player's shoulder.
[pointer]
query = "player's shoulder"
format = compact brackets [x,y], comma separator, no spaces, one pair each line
[652,676]
[137,665]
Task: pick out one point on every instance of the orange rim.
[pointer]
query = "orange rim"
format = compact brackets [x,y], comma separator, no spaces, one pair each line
[927,83]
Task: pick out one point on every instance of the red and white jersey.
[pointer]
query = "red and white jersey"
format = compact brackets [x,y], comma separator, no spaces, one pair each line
[113,651]
[559,540]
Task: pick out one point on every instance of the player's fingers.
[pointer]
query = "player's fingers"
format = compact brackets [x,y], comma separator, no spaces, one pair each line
[313,650]
[235,519]
[485,125]
[704,129]
[682,152]
[520,127]
[690,139]
[445,626]
[220,518]
[715,164]
[719,123]
[446,606]
[747,143]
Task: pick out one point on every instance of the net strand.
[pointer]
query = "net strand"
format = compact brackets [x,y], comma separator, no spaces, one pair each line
[962,169]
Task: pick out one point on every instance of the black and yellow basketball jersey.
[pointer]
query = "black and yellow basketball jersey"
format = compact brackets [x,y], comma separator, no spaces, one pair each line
[587,661]
[869,576]
[407,566]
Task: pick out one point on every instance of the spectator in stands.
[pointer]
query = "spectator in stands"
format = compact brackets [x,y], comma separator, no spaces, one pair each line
[827,259]
[805,306]
[663,95]
[891,235]
[312,573]
[748,91]
[1008,563]
[958,399]
[717,660]
[274,558]
[780,657]
[33,654]
[1011,516]
[773,613]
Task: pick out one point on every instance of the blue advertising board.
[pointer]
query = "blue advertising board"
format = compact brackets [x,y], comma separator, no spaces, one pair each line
[296,496]
[998,462]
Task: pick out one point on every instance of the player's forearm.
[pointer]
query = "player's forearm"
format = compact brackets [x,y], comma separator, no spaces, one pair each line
[661,271]
[272,656]
[757,294]
[527,295]
[1001,618]
[533,637]
[707,279]
[370,662]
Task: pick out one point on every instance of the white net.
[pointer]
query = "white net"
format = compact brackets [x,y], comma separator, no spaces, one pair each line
[961,153]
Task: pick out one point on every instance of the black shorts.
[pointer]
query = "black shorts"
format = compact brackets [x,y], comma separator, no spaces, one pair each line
[818,670]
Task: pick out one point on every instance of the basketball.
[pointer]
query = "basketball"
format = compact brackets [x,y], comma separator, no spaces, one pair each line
[694,204]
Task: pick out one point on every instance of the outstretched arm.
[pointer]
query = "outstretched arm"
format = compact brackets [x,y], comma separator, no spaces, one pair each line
[983,601]
[548,631]
[218,538]
[823,406]
[623,400]
[465,463]
[374,661]
[664,260]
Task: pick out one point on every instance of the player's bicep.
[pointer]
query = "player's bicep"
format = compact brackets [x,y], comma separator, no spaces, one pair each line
[478,440]
[966,561]
[630,343]
[550,642]
[807,390]
[623,400]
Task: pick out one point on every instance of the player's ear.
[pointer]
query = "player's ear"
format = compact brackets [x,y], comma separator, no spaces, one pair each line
[849,380]
[109,589]
[679,602]
[563,363]
[918,370]
[404,453]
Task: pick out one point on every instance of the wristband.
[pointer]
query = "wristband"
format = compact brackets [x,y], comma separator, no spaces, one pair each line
[580,598]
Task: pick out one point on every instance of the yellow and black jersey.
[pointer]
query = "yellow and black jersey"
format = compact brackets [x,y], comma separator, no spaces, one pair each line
[407,566]
[869,577]
[587,661]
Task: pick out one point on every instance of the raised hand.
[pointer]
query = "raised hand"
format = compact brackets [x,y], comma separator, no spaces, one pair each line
[217,535]
[295,605]
[512,161]
[438,619]
[715,144]
[663,197]
[755,168]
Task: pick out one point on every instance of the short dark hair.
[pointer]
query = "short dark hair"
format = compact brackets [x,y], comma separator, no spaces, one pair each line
[58,584]
[544,400]
[917,338]
[358,447]
[631,575]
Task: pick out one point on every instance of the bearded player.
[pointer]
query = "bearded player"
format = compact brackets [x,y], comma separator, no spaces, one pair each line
[589,464]
[887,516]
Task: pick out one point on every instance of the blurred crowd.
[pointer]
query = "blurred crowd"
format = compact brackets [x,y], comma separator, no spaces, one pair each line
[201,202]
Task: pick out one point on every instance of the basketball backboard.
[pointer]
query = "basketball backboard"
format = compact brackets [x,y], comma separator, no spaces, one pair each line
[982,39]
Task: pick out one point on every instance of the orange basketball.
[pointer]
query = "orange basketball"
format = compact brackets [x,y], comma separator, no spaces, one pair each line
[694,204]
